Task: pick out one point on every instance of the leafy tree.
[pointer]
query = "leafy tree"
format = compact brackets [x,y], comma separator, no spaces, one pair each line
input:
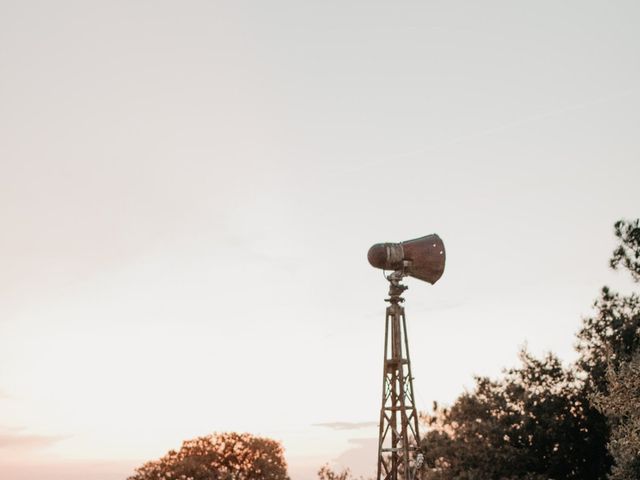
[622,406]
[610,337]
[627,253]
[222,456]
[531,424]
[610,355]
[607,341]
[327,473]
[540,421]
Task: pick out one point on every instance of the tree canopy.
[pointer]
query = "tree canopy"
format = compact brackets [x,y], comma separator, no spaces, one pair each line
[627,253]
[531,424]
[544,421]
[221,456]
[615,376]
[621,404]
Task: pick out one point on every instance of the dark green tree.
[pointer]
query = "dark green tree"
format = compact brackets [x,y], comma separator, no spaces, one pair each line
[612,336]
[627,253]
[222,456]
[608,338]
[540,421]
[530,424]
[609,346]
[621,405]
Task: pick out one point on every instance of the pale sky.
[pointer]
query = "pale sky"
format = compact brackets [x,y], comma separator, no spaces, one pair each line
[188,191]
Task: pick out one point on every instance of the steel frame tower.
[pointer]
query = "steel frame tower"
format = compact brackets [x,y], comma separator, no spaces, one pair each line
[399,437]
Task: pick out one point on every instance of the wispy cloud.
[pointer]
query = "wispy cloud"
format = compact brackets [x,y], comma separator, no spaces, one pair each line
[66,470]
[359,457]
[346,425]
[15,439]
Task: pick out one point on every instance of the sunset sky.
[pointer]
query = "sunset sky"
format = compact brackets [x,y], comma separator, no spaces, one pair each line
[188,191]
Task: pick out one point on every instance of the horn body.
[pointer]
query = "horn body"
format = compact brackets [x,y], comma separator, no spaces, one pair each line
[425,257]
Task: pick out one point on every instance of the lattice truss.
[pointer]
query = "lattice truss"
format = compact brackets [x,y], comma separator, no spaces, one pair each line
[398,436]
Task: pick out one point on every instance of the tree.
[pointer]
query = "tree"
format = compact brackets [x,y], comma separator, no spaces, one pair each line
[221,456]
[627,253]
[610,355]
[612,336]
[609,338]
[327,473]
[542,421]
[621,404]
[531,424]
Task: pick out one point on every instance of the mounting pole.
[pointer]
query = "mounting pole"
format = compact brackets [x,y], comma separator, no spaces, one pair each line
[398,437]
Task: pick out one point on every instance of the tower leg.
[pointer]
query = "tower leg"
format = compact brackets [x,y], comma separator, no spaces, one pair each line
[398,430]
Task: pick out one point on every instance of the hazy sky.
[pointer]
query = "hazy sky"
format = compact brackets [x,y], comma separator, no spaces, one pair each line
[188,191]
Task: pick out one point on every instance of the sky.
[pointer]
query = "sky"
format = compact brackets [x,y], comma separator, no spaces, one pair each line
[188,191]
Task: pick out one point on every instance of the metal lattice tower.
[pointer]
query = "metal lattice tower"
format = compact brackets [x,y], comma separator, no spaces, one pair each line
[398,438]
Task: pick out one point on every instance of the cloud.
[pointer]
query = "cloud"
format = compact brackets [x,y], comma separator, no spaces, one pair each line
[361,458]
[346,425]
[14,440]
[67,470]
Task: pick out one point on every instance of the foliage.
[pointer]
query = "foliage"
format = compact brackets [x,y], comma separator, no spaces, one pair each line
[326,473]
[609,337]
[540,420]
[222,456]
[627,253]
[610,355]
[621,404]
[531,425]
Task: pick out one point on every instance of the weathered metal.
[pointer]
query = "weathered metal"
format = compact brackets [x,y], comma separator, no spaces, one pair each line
[426,257]
[398,436]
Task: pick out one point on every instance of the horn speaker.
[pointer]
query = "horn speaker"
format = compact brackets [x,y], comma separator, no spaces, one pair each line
[422,258]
